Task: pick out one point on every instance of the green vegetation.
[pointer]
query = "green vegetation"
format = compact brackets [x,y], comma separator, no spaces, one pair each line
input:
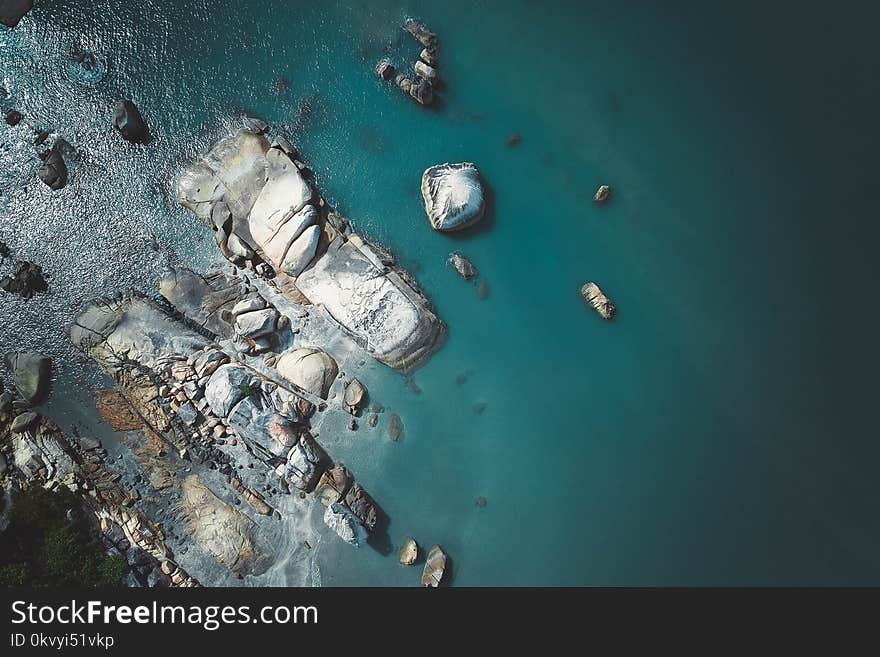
[49,542]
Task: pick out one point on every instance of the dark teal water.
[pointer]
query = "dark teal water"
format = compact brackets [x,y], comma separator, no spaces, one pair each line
[720,431]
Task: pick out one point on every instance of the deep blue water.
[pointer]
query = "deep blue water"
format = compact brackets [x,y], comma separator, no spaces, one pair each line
[719,431]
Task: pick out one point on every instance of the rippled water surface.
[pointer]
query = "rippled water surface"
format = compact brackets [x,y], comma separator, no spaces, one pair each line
[718,432]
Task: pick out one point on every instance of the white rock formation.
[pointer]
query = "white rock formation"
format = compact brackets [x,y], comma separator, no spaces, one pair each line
[308,368]
[346,525]
[453,195]
[261,193]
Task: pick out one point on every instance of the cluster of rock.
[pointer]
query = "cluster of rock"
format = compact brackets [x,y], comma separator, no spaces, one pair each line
[269,218]
[27,279]
[195,388]
[35,452]
[54,171]
[422,85]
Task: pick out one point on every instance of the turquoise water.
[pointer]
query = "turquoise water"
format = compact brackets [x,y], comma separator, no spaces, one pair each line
[717,432]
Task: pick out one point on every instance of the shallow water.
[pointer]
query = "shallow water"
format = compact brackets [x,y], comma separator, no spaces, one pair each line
[717,432]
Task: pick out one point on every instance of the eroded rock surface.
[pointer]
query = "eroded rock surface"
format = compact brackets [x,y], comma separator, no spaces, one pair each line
[259,195]
[453,195]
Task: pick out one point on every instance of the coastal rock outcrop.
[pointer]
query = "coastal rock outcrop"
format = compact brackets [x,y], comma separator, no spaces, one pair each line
[229,535]
[453,195]
[259,195]
[128,121]
[30,373]
[346,525]
[594,296]
[308,368]
[435,567]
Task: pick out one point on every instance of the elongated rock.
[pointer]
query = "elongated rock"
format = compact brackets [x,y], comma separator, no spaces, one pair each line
[594,296]
[435,567]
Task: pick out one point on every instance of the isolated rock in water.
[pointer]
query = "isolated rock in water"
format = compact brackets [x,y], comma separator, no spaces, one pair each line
[409,553]
[453,195]
[385,70]
[226,534]
[12,11]
[346,525]
[131,125]
[421,33]
[425,71]
[308,368]
[395,427]
[594,296]
[26,280]
[602,194]
[13,117]
[463,266]
[354,396]
[30,373]
[53,172]
[333,485]
[23,422]
[435,565]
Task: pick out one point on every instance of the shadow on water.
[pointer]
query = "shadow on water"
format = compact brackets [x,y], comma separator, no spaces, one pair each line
[380,539]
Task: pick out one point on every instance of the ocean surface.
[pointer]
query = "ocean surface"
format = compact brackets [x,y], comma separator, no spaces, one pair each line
[719,432]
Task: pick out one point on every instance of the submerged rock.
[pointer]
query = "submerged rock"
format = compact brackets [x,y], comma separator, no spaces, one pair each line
[483,291]
[26,280]
[435,567]
[463,266]
[385,70]
[30,373]
[309,368]
[602,194]
[131,125]
[421,33]
[409,552]
[594,296]
[395,427]
[53,172]
[453,195]
[13,117]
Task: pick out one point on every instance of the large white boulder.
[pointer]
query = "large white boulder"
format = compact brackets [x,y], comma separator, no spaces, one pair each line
[453,196]
[310,369]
